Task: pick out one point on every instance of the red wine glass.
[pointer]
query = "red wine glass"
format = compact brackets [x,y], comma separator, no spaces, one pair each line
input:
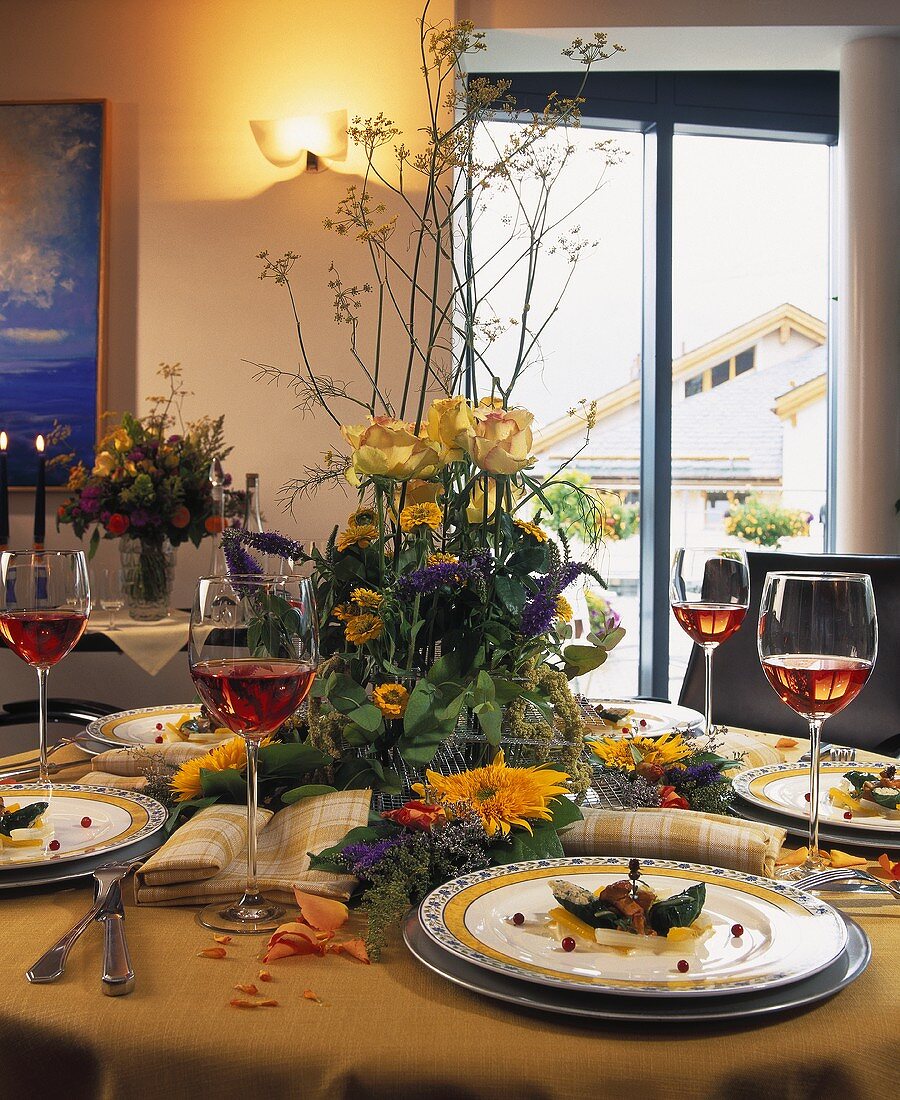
[818,639]
[45,601]
[254,649]
[710,594]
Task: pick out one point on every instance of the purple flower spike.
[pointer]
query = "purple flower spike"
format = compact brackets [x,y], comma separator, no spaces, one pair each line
[239,562]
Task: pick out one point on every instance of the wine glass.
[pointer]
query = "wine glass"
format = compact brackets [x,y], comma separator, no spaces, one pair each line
[254,649]
[818,638]
[45,601]
[110,592]
[710,594]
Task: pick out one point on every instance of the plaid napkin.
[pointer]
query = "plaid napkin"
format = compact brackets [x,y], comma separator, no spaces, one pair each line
[676,834]
[206,859]
[127,768]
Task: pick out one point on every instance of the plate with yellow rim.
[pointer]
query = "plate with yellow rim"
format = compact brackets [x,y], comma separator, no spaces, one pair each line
[83,821]
[147,725]
[788,934]
[784,789]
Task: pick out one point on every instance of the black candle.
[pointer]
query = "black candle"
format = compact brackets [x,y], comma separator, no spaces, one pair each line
[4,493]
[40,496]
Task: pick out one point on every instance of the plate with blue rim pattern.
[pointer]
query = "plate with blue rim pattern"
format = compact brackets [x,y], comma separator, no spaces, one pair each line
[788,934]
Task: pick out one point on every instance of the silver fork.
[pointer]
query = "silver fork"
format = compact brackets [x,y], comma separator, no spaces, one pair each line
[818,879]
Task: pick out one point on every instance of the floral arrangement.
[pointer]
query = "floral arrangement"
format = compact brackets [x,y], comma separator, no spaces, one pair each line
[571,514]
[765,524]
[671,772]
[149,481]
[464,822]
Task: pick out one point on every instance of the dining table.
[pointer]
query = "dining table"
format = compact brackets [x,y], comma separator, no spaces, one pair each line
[344,1029]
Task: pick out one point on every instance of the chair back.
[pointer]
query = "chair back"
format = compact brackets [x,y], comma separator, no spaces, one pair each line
[742,695]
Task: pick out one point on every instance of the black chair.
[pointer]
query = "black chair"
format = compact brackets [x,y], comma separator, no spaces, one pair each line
[74,711]
[742,695]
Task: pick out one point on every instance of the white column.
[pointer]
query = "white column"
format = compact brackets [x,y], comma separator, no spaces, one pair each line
[868,364]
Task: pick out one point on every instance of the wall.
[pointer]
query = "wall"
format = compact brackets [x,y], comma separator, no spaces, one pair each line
[192,200]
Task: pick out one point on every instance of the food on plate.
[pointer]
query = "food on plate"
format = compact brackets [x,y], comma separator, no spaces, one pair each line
[196,728]
[609,718]
[871,793]
[23,831]
[630,916]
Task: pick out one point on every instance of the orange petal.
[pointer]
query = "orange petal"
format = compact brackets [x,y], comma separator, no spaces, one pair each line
[308,995]
[325,914]
[267,1004]
[892,870]
[355,948]
[222,939]
[247,987]
[300,940]
[265,976]
[844,859]
[785,743]
[240,1002]
[792,859]
[212,953]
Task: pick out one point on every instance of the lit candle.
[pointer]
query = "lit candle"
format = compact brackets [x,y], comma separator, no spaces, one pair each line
[40,497]
[4,493]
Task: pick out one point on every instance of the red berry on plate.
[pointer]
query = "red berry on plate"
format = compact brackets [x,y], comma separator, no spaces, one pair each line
[643,723]
[159,741]
[53,845]
[86,823]
[737,930]
[159,727]
[848,816]
[807,796]
[518,918]
[683,966]
[568,944]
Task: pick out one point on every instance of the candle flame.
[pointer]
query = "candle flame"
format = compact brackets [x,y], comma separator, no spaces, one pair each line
[4,440]
[39,444]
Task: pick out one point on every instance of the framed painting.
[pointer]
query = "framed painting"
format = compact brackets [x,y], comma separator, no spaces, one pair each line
[52,272]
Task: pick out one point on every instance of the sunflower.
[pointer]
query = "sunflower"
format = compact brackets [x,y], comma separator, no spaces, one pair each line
[357,534]
[616,752]
[366,599]
[502,797]
[563,609]
[363,628]
[441,559]
[185,783]
[532,529]
[391,699]
[421,515]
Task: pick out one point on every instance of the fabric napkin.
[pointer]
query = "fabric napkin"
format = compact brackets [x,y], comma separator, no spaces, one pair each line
[754,752]
[676,834]
[206,859]
[150,645]
[128,768]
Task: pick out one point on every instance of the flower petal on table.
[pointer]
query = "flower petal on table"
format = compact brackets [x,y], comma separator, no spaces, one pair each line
[792,859]
[844,859]
[892,870]
[293,938]
[355,948]
[324,914]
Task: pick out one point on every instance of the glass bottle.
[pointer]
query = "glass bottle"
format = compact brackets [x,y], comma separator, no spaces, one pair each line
[252,516]
[217,564]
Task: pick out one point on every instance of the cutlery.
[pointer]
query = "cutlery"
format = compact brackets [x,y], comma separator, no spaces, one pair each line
[118,974]
[52,963]
[819,879]
[23,771]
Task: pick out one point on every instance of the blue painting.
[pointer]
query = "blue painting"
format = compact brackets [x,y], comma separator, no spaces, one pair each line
[51,205]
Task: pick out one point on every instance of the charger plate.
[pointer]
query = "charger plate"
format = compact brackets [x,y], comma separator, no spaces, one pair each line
[118,819]
[142,726]
[22,877]
[675,1010]
[782,788]
[788,934]
[658,718]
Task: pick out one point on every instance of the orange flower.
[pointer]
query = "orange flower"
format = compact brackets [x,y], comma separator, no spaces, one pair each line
[214,525]
[363,628]
[117,524]
[181,517]
[391,699]
[669,800]
[416,516]
[416,815]
[357,535]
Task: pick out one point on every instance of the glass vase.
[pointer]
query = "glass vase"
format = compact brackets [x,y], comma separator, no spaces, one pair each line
[148,573]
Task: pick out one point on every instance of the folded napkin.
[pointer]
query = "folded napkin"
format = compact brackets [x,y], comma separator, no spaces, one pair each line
[206,859]
[753,750]
[129,767]
[676,834]
[150,645]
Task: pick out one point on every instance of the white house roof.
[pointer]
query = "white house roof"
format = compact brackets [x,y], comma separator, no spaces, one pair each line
[730,433]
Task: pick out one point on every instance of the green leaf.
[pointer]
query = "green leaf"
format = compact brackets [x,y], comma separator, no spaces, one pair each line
[357,736]
[565,812]
[677,911]
[490,719]
[229,783]
[510,593]
[369,717]
[307,791]
[289,761]
[94,543]
[542,843]
[583,658]
[192,804]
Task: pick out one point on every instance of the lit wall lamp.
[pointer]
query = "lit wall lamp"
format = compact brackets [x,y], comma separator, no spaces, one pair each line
[306,139]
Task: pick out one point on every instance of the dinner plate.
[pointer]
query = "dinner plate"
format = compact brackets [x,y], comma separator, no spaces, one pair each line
[787,934]
[782,789]
[23,877]
[658,718]
[846,968]
[116,818]
[795,827]
[142,726]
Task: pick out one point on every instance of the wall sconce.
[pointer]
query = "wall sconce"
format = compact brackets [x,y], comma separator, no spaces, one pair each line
[305,139]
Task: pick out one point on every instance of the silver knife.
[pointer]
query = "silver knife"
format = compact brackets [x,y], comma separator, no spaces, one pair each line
[118,974]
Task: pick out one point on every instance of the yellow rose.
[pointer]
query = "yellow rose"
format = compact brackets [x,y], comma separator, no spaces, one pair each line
[450,420]
[104,464]
[501,440]
[420,492]
[390,448]
[475,510]
[122,440]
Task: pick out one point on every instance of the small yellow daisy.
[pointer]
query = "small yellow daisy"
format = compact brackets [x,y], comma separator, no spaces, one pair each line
[441,559]
[563,609]
[391,700]
[363,628]
[366,599]
[357,535]
[420,515]
[531,529]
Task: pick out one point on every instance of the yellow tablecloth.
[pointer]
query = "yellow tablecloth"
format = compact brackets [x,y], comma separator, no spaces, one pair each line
[389,1030]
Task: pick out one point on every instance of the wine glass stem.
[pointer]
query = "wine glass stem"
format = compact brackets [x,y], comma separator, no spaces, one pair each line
[815,742]
[252,890]
[42,674]
[709,650]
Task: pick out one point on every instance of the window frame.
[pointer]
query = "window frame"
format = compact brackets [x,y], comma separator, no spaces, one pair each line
[799,106]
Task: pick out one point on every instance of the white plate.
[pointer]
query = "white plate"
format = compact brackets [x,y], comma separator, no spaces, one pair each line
[788,934]
[143,726]
[659,718]
[782,789]
[119,818]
